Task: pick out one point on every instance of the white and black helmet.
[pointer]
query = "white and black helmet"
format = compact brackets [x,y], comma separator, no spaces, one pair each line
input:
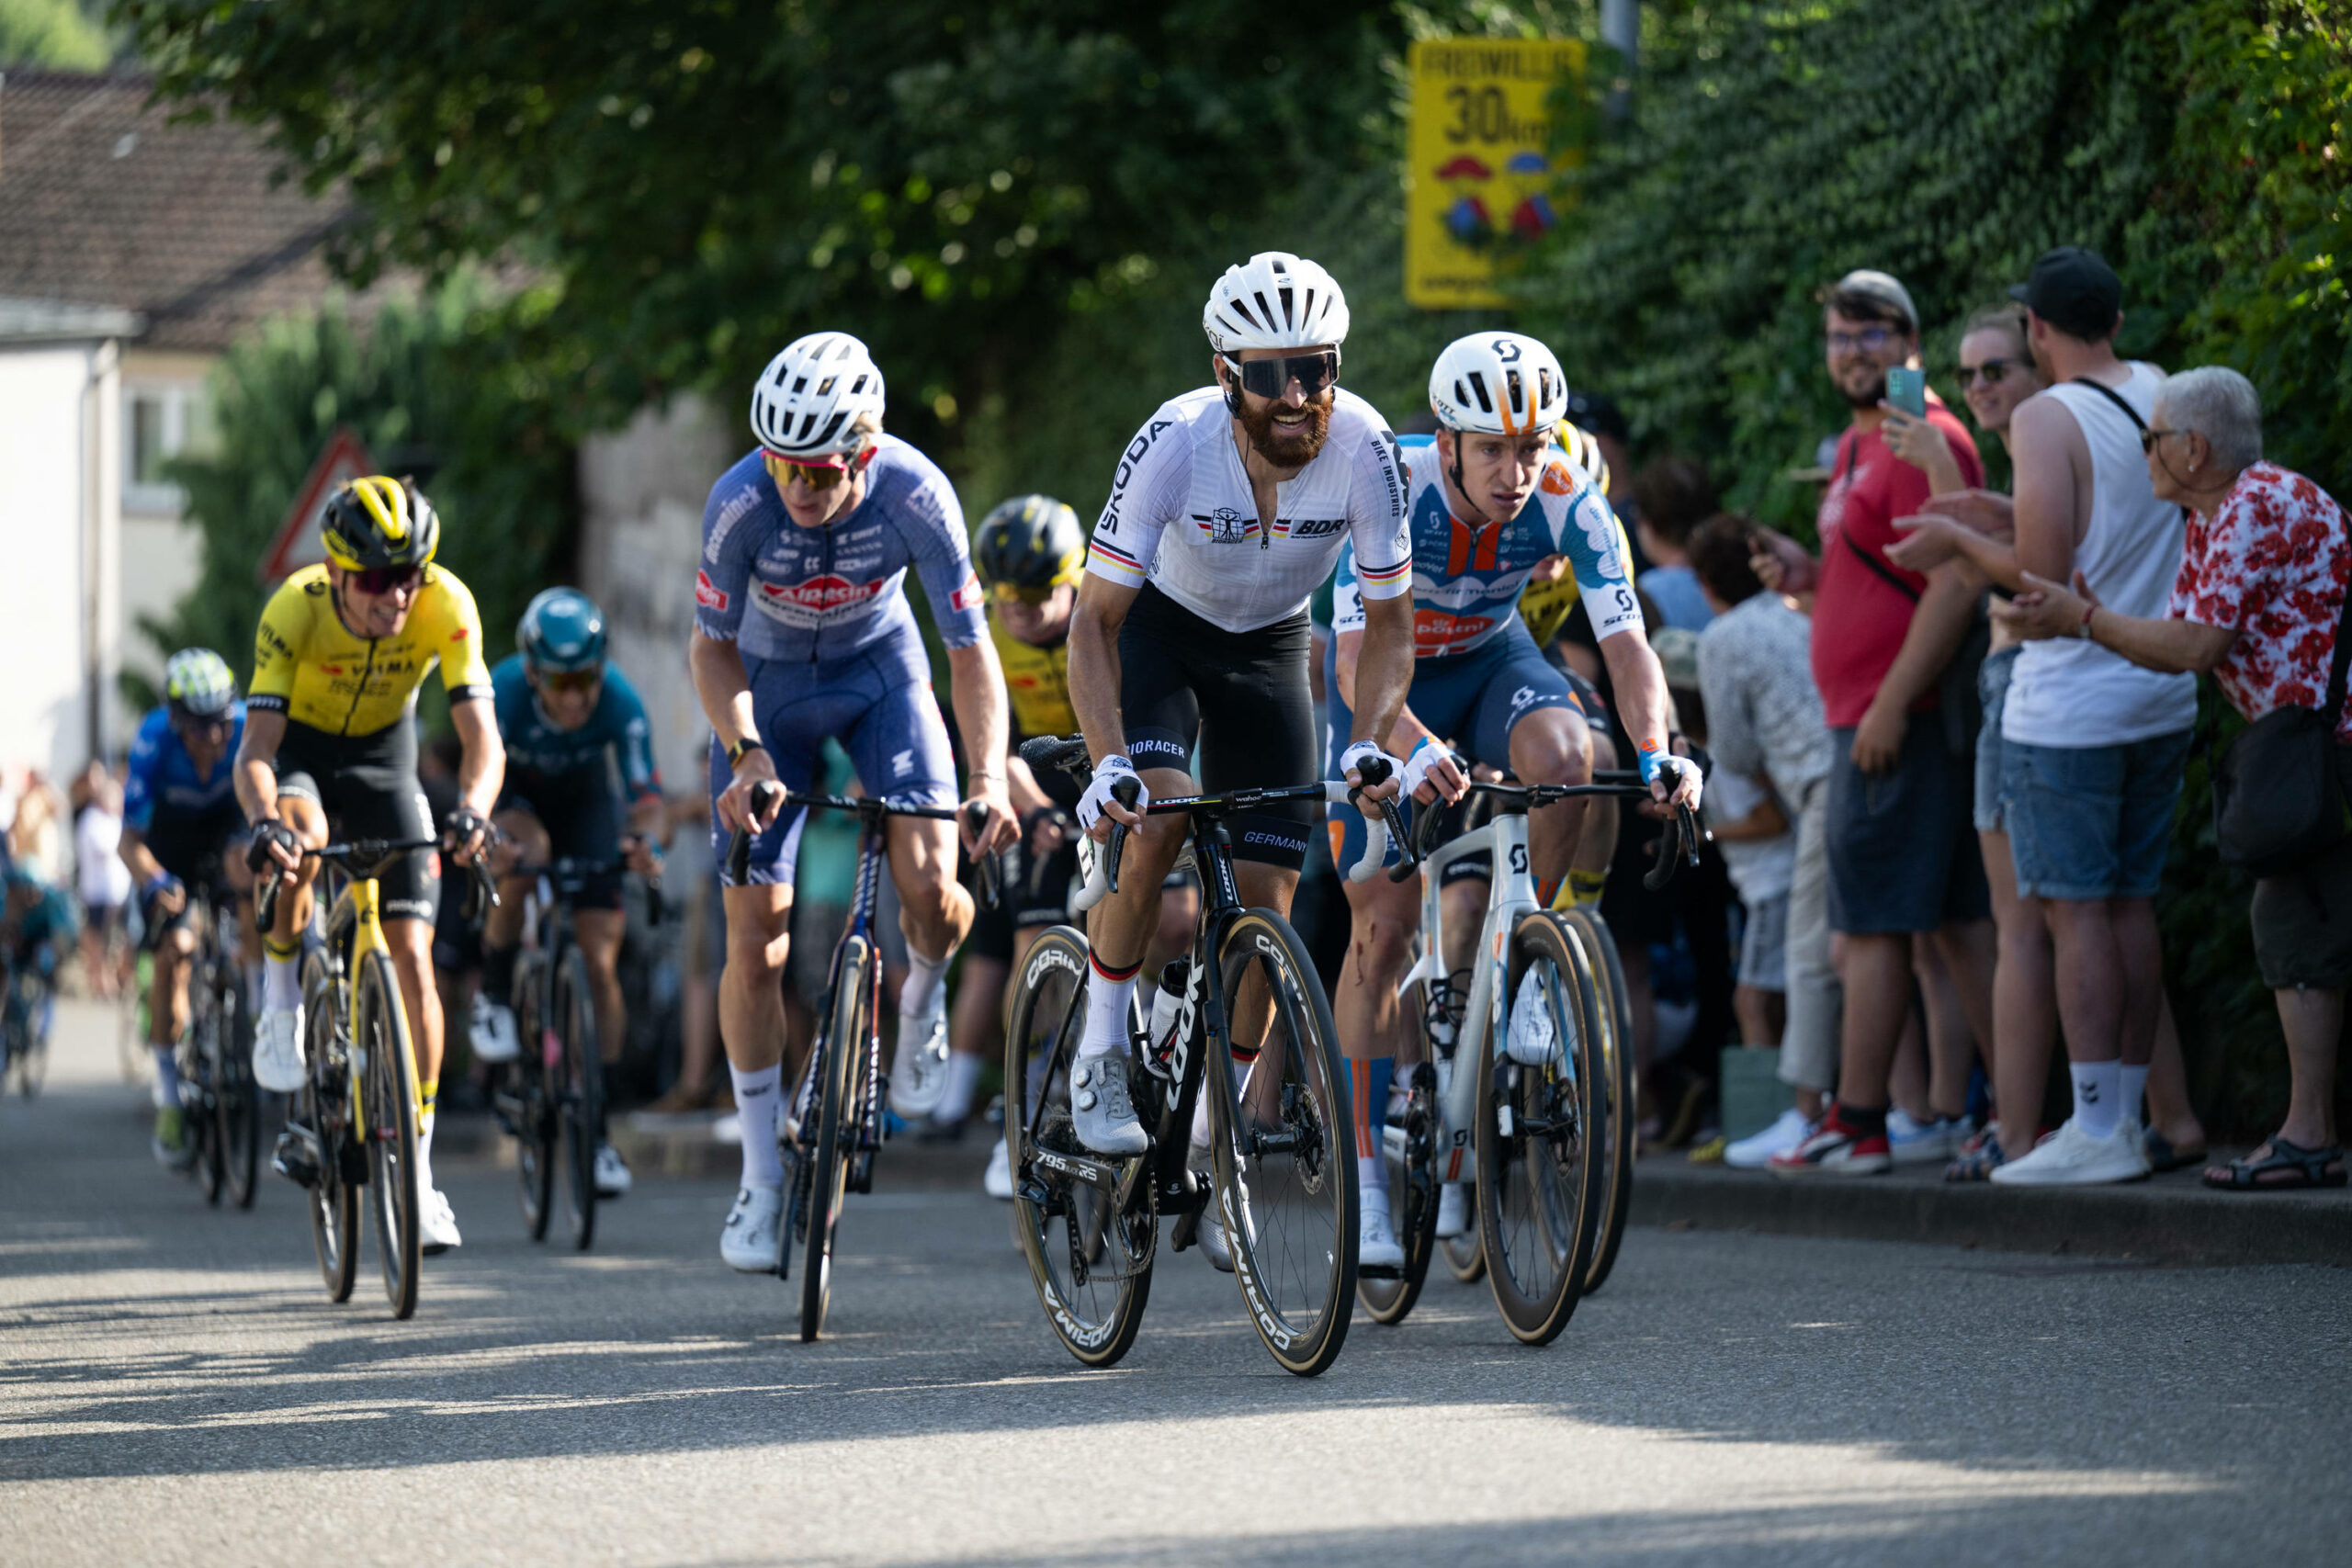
[1498,384]
[1274,300]
[808,398]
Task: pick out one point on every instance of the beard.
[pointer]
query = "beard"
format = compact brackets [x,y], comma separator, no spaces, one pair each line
[1291,449]
[1871,394]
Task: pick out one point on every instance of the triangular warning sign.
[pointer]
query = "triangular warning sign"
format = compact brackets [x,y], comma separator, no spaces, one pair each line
[297,545]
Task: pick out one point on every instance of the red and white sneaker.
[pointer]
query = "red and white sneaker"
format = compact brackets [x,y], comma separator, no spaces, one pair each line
[1837,1147]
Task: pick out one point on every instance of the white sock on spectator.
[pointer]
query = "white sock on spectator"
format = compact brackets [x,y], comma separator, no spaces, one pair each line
[2135,1086]
[2098,1085]
[923,978]
[963,1080]
[756,1096]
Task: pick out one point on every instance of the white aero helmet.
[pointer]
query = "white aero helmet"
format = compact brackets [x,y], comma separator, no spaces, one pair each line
[1274,300]
[808,398]
[1498,384]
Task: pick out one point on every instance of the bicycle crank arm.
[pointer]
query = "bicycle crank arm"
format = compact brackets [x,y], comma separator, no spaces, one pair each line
[1093,1172]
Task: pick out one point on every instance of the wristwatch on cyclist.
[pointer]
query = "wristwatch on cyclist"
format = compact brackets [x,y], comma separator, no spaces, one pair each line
[741,748]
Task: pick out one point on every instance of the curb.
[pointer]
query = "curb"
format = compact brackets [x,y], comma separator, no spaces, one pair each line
[2171,1219]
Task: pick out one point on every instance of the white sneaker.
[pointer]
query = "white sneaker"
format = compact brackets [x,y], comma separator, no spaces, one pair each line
[919,1071]
[492,1030]
[437,1225]
[613,1178]
[2072,1158]
[1756,1151]
[1376,1243]
[278,1050]
[997,1180]
[1454,1210]
[1099,1110]
[747,1242]
[1922,1143]
[1532,1042]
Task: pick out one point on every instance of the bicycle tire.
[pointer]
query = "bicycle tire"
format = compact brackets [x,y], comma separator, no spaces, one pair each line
[845,1049]
[387,1109]
[1538,1240]
[1614,1117]
[200,1125]
[1096,1319]
[32,1058]
[534,1132]
[238,1098]
[581,1101]
[1412,1190]
[1465,1255]
[327,1103]
[1320,1163]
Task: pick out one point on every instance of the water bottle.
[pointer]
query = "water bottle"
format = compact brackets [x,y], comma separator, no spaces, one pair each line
[1166,1003]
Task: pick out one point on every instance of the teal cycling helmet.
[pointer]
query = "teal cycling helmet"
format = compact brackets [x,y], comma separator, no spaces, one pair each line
[560,631]
[196,683]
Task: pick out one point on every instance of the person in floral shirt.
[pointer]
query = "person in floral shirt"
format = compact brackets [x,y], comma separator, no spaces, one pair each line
[2257,603]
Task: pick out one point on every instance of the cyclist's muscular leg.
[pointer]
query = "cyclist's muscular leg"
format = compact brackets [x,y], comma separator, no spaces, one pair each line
[599,933]
[502,927]
[167,996]
[1365,1005]
[1120,926]
[750,986]
[934,909]
[1552,746]
[307,820]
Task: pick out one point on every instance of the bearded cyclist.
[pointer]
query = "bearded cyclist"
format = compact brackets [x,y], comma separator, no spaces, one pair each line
[803,632]
[580,784]
[331,733]
[1226,515]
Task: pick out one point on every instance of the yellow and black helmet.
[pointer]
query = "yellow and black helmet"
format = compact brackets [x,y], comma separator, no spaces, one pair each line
[378,521]
[1583,452]
[1031,542]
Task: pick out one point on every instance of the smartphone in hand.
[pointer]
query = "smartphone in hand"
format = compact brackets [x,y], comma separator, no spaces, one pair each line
[1907,389]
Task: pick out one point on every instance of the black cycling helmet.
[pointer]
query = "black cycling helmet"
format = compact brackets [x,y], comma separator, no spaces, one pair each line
[379,522]
[1032,542]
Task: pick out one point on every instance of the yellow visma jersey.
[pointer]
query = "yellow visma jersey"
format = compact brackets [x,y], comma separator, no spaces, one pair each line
[1038,681]
[310,667]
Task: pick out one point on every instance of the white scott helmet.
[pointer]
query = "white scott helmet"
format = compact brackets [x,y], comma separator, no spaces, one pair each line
[1274,300]
[808,398]
[1498,384]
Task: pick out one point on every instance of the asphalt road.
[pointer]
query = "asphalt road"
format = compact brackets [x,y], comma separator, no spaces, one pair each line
[174,1387]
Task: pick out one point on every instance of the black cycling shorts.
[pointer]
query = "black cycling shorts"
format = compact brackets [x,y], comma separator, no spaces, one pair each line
[190,844]
[367,785]
[583,818]
[1243,696]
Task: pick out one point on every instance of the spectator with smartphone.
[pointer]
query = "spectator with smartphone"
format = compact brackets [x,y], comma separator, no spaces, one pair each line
[2259,603]
[1901,856]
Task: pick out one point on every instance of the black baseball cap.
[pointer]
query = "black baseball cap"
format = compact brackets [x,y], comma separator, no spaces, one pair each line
[2074,290]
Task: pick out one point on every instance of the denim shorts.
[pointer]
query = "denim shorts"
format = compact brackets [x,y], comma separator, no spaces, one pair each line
[1991,691]
[2090,822]
[1902,858]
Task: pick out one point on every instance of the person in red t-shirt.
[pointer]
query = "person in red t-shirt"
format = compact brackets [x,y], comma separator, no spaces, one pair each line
[1901,850]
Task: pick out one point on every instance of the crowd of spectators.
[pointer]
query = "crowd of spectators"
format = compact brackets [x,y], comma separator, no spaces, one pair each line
[1949,744]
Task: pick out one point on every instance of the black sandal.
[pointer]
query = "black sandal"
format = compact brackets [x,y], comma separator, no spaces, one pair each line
[2310,1168]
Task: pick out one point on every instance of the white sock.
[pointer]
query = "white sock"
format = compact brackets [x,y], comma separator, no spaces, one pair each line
[924,976]
[281,981]
[756,1095]
[1106,1011]
[963,1080]
[2135,1088]
[1370,1181]
[2098,1087]
[424,1152]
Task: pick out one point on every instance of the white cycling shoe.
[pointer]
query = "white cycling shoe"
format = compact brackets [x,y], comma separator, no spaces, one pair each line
[278,1050]
[747,1242]
[997,1181]
[1376,1243]
[436,1226]
[613,1177]
[1454,1210]
[919,1072]
[491,1028]
[1101,1110]
[1532,1041]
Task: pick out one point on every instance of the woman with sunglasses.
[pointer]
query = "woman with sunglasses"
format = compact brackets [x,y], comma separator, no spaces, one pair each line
[331,732]
[803,632]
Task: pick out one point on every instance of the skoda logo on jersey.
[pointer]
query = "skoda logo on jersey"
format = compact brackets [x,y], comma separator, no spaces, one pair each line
[820,595]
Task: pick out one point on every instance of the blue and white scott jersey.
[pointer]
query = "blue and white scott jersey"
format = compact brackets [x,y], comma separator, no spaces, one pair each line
[1183,515]
[1466,581]
[823,593]
[615,743]
[163,774]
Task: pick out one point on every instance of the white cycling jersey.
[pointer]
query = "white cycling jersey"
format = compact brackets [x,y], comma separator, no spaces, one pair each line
[1182,515]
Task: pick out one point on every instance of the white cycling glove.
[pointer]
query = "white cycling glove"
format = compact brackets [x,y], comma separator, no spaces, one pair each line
[1673,771]
[1418,766]
[1107,772]
[1362,751]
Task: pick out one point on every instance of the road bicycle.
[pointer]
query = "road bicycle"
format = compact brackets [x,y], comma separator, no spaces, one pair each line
[27,1012]
[1252,1033]
[1540,1124]
[220,1100]
[837,1125]
[353,1123]
[552,1097]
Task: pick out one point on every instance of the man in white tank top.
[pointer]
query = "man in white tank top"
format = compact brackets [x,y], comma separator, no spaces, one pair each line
[2092,745]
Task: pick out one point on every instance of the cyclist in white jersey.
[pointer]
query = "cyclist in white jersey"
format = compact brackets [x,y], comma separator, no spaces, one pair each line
[1489,501]
[1226,515]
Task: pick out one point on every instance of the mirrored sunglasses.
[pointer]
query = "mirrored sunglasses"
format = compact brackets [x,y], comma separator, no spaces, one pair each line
[386,578]
[821,474]
[567,680]
[1272,378]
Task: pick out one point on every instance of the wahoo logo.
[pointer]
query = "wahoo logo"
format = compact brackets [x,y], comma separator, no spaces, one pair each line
[821,595]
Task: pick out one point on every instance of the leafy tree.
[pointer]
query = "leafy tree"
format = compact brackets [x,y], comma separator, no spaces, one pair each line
[51,34]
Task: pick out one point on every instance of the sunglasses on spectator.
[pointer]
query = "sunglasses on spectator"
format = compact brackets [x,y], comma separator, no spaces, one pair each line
[1870,339]
[381,579]
[2149,437]
[1990,372]
[567,680]
[1272,378]
[822,473]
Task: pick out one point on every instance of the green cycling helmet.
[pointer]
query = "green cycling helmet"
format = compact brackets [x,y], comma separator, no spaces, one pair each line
[562,630]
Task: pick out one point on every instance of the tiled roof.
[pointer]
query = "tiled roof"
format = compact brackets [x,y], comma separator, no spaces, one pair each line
[103,202]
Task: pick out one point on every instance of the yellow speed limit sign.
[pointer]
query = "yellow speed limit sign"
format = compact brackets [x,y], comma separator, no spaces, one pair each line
[1482,174]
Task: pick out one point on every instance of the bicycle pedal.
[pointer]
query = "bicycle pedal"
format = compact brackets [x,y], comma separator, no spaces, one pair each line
[295,1157]
[1378,1271]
